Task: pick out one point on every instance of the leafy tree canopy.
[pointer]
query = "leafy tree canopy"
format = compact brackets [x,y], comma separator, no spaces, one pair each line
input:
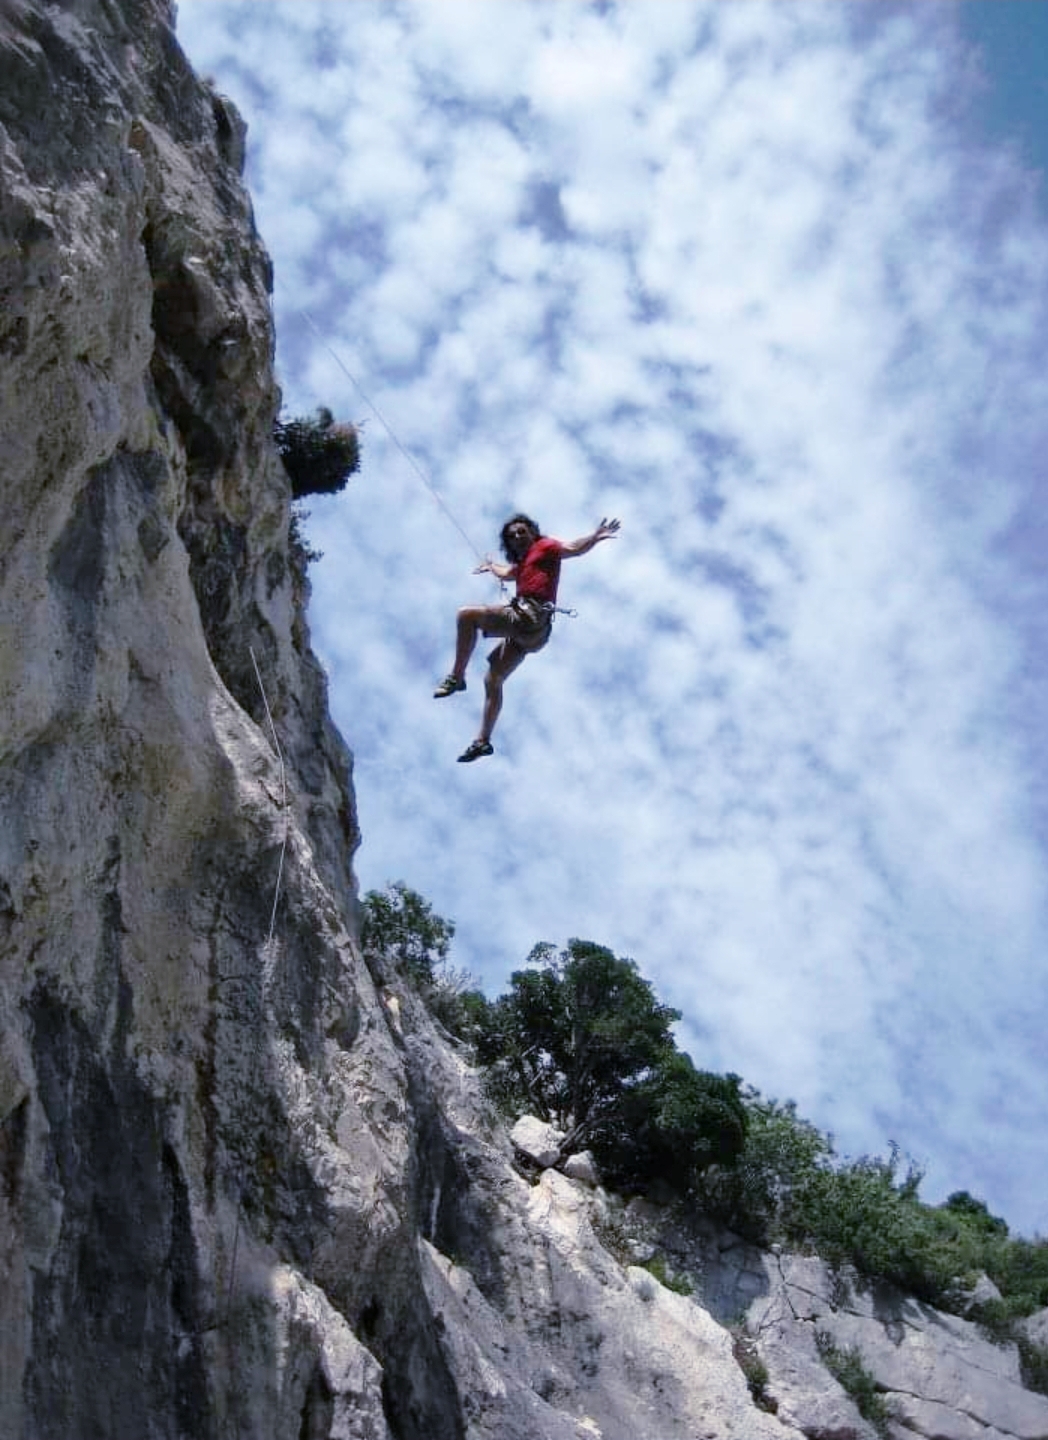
[401,930]
[582,1040]
[575,1029]
[672,1125]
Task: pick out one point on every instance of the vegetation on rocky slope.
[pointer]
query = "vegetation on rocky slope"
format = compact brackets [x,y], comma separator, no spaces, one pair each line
[581,1039]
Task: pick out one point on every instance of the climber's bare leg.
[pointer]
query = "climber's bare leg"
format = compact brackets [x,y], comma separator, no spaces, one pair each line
[503,662]
[471,622]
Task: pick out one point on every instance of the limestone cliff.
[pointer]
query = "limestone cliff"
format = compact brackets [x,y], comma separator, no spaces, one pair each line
[240,1194]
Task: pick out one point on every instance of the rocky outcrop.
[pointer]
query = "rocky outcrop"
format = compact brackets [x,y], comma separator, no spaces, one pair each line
[937,1375]
[243,1191]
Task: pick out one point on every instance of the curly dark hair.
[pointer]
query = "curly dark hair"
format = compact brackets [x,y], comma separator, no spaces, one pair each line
[507,544]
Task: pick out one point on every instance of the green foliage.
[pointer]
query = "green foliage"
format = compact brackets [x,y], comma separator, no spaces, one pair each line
[460,1006]
[847,1367]
[789,1185]
[1019,1269]
[574,1031]
[748,1359]
[861,1213]
[781,1152]
[319,455]
[456,1003]
[582,1040]
[679,1284]
[303,554]
[401,931]
[975,1212]
[1033,1365]
[673,1124]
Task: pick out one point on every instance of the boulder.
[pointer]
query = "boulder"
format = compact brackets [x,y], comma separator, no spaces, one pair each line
[981,1293]
[536,1140]
[581,1166]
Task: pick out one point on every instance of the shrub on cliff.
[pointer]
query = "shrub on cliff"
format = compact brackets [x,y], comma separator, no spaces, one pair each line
[866,1214]
[790,1186]
[400,930]
[672,1125]
[581,1040]
[319,455]
[401,933]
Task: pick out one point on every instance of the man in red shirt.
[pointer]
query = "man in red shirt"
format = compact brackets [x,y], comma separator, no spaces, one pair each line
[524,625]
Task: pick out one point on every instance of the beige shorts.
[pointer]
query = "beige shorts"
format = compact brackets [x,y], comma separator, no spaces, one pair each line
[526,624]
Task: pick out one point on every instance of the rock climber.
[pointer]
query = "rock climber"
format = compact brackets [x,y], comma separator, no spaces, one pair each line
[525,624]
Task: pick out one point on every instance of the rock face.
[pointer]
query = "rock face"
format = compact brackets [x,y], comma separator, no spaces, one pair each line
[243,1192]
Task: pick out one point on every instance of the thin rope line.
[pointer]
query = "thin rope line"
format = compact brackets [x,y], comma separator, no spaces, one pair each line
[233,1262]
[390,432]
[283,792]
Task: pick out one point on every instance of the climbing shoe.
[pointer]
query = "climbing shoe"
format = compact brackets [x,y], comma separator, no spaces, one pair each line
[451,685]
[477,750]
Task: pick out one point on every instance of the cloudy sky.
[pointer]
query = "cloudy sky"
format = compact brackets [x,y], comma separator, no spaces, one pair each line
[768,282]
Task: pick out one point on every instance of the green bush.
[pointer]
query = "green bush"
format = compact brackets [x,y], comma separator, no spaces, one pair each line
[400,933]
[861,1213]
[1019,1269]
[452,999]
[319,455]
[976,1213]
[847,1367]
[303,554]
[679,1284]
[673,1124]
[789,1185]
[781,1151]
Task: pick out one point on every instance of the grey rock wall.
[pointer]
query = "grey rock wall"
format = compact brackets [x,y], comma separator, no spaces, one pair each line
[244,1194]
[177,1093]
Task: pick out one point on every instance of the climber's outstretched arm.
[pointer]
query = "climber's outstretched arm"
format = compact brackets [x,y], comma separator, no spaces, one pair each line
[606,530]
[496,568]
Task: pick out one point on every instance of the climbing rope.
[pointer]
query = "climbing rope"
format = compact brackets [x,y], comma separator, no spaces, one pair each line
[241,1186]
[283,796]
[392,435]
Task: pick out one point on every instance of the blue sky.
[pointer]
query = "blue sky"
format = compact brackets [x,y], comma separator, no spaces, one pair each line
[768,282]
[1012,40]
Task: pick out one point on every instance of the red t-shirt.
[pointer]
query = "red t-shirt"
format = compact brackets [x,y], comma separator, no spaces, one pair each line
[539,571]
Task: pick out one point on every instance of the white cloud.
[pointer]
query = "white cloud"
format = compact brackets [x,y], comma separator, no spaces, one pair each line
[730,272]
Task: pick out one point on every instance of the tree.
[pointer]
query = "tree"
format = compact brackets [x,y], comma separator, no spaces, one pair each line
[573,1032]
[582,1041]
[319,455]
[400,930]
[674,1124]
